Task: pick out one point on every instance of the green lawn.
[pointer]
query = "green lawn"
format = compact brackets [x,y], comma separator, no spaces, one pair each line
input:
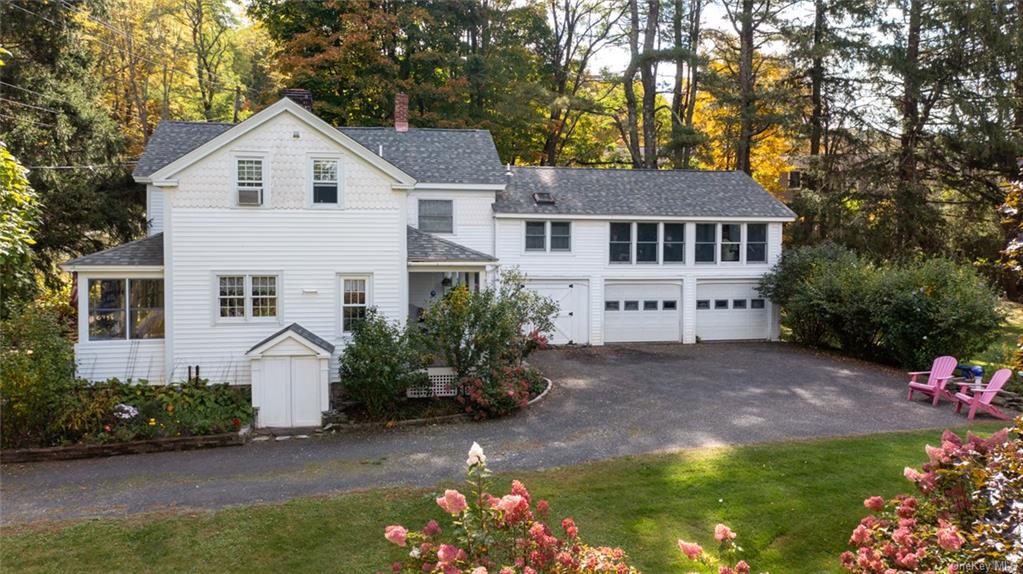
[793,505]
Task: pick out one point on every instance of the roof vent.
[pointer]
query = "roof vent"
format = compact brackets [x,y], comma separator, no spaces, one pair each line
[543,198]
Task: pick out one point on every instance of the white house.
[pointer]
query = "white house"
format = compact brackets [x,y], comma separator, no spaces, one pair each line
[268,238]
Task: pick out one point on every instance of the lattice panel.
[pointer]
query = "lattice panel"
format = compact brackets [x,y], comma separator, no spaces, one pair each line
[442,384]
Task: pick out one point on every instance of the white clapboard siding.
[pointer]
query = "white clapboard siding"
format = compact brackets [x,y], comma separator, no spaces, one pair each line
[473,216]
[154,209]
[126,360]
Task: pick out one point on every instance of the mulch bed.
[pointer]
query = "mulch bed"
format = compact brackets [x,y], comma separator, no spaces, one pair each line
[132,447]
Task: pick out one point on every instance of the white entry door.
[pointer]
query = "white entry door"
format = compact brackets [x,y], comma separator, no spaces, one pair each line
[642,312]
[291,392]
[730,311]
[571,325]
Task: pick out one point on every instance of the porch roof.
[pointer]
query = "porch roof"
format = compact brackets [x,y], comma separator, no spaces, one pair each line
[146,252]
[427,248]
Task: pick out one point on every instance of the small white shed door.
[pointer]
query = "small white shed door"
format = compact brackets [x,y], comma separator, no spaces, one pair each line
[730,311]
[291,396]
[638,312]
[571,325]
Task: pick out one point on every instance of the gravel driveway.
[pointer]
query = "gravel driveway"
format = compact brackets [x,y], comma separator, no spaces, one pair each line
[606,402]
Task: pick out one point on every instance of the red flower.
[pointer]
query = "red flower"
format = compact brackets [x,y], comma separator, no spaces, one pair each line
[236,421]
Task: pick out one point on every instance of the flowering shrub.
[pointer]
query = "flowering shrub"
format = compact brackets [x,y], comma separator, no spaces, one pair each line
[967,512]
[485,336]
[727,551]
[498,535]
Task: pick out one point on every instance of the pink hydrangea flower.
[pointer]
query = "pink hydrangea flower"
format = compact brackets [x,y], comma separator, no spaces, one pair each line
[447,553]
[479,570]
[948,536]
[875,503]
[431,528]
[520,489]
[453,502]
[912,474]
[692,550]
[741,567]
[725,570]
[570,528]
[860,535]
[722,533]
[396,534]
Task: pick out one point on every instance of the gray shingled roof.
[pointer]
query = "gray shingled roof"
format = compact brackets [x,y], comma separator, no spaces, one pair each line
[436,155]
[586,191]
[142,252]
[428,155]
[171,140]
[424,247]
[302,331]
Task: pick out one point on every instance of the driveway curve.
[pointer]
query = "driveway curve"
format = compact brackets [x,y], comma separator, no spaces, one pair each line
[606,402]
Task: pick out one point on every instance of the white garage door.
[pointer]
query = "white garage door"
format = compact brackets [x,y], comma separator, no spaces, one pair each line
[642,312]
[730,311]
[572,325]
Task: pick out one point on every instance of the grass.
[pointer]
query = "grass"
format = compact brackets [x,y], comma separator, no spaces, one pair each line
[793,505]
[999,354]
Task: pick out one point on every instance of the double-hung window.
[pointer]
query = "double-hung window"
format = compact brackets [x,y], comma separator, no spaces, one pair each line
[354,301]
[706,238]
[621,243]
[674,247]
[646,243]
[536,236]
[756,243]
[249,183]
[241,297]
[125,309]
[731,240]
[548,236]
[326,184]
[436,215]
[561,236]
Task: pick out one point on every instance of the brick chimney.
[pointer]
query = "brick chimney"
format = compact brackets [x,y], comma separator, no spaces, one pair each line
[401,112]
[302,96]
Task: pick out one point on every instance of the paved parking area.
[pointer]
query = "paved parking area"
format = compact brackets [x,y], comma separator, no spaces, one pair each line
[606,402]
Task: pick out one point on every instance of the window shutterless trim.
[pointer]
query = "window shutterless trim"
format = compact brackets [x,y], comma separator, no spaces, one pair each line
[247,297]
[264,181]
[338,182]
[341,305]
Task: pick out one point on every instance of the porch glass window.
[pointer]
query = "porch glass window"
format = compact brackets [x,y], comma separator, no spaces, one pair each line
[354,303]
[705,240]
[106,309]
[621,243]
[436,215]
[146,304]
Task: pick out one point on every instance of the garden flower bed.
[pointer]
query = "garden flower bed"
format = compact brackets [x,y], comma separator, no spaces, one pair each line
[131,447]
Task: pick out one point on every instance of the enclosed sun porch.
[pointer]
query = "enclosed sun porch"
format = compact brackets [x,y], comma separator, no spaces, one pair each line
[436,266]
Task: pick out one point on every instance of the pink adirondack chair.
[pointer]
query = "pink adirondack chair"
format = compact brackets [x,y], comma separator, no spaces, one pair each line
[937,377]
[979,397]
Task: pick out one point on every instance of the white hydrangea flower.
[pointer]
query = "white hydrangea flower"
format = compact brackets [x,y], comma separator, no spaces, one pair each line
[476,455]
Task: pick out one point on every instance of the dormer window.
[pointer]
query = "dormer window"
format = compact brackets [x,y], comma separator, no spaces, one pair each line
[249,183]
[325,182]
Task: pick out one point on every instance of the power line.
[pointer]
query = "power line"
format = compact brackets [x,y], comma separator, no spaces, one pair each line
[87,166]
[28,91]
[17,103]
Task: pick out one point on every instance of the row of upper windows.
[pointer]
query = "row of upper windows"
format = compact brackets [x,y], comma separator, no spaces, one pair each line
[642,242]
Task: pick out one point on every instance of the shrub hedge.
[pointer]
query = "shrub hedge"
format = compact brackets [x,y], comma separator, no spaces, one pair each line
[904,314]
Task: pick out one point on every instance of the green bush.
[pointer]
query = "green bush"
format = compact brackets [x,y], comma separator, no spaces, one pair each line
[37,371]
[904,314]
[380,363]
[43,404]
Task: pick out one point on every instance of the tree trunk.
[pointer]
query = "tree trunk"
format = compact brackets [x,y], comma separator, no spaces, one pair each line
[817,78]
[694,44]
[628,79]
[746,96]
[648,77]
[678,102]
[906,195]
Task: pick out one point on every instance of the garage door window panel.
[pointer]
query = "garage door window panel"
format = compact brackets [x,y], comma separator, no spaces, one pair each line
[756,243]
[632,305]
[703,304]
[706,239]
[731,242]
[756,304]
[611,306]
[721,303]
[646,243]
[621,243]
[669,305]
[738,303]
[649,305]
